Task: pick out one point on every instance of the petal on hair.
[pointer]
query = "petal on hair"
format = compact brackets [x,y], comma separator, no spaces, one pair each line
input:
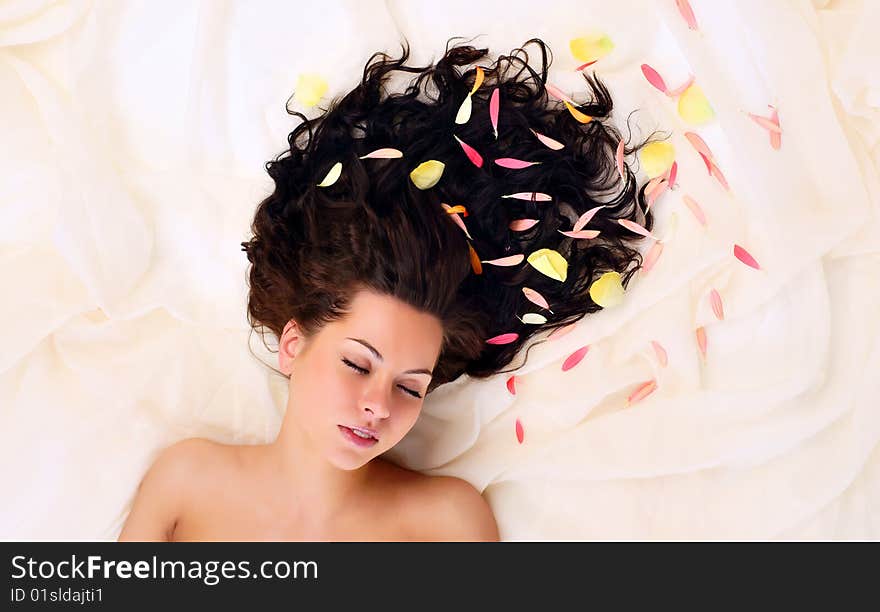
[672,175]
[681,88]
[475,260]
[693,106]
[657,158]
[695,209]
[590,48]
[510,260]
[309,89]
[536,298]
[556,92]
[503,339]
[520,434]
[775,138]
[547,141]
[549,263]
[581,117]
[618,158]
[641,392]
[702,341]
[332,176]
[511,385]
[745,257]
[458,221]
[383,154]
[654,77]
[476,158]
[427,174]
[717,305]
[657,192]
[521,225]
[575,358]
[635,227]
[557,333]
[700,145]
[515,164]
[652,256]
[533,196]
[455,209]
[464,111]
[653,184]
[478,80]
[581,234]
[494,104]
[765,123]
[608,290]
[661,353]
[684,7]
[533,318]
[586,218]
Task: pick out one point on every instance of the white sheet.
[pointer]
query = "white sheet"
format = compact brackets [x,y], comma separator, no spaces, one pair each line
[134,137]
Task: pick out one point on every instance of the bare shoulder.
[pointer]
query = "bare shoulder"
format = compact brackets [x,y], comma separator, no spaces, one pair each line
[170,485]
[450,508]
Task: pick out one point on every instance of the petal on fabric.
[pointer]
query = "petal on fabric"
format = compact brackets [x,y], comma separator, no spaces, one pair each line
[717,305]
[672,175]
[503,339]
[478,80]
[581,234]
[684,7]
[775,138]
[464,111]
[681,88]
[575,358]
[520,434]
[494,104]
[641,392]
[310,88]
[700,145]
[476,266]
[532,196]
[581,117]
[515,164]
[654,183]
[427,174]
[654,77]
[559,332]
[608,290]
[521,225]
[702,341]
[657,158]
[586,218]
[536,298]
[693,106]
[618,158]
[533,318]
[550,263]
[716,172]
[635,227]
[695,209]
[590,48]
[547,141]
[511,385]
[661,353]
[472,154]
[765,123]
[383,154]
[652,256]
[510,260]
[656,193]
[332,176]
[745,257]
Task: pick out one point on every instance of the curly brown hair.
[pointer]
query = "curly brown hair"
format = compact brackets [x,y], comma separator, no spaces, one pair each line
[314,247]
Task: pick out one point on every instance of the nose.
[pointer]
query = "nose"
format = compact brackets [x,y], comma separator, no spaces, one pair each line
[374,403]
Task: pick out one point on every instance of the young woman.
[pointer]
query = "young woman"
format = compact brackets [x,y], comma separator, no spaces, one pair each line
[407,237]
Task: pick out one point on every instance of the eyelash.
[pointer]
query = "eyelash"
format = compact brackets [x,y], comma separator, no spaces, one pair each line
[360,370]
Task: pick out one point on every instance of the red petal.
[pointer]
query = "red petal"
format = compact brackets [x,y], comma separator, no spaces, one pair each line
[672,175]
[520,434]
[684,7]
[582,66]
[654,77]
[511,385]
[473,155]
[493,111]
[503,339]
[708,163]
[575,358]
[745,257]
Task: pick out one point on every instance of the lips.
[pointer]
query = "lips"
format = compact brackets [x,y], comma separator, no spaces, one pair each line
[351,436]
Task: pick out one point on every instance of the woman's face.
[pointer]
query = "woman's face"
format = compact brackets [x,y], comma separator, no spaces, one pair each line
[368,371]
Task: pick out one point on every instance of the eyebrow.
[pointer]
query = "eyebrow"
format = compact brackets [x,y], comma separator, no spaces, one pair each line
[378,356]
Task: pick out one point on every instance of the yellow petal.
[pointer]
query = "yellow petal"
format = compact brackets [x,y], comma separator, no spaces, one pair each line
[309,89]
[464,111]
[332,176]
[581,117]
[693,106]
[608,290]
[534,318]
[551,263]
[478,80]
[591,47]
[427,173]
[657,158]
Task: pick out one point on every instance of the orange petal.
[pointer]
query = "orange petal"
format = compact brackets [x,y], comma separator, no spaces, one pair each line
[475,260]
[641,392]
[521,225]
[383,154]
[455,209]
[695,208]
[581,117]
[654,77]
[503,339]
[581,235]
[472,154]
[745,257]
[618,158]
[585,218]
[493,111]
[775,139]
[478,80]
[701,340]
[765,123]
[717,306]
[652,256]
[520,434]
[684,7]
[536,298]
[548,142]
[635,227]
[558,332]
[515,164]
[699,144]
[661,353]
[511,385]
[575,358]
[530,196]
[510,260]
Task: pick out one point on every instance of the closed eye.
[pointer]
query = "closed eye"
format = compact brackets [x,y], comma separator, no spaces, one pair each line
[360,370]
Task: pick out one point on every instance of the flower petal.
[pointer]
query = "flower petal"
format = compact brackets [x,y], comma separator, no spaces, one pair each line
[458,220]
[464,111]
[529,195]
[775,139]
[549,263]
[581,234]
[661,353]
[557,333]
[510,260]
[618,158]
[383,154]
[635,227]
[511,385]
[332,176]
[681,88]
[591,47]
[515,164]
[521,225]
[716,172]
[575,358]
[478,80]
[765,123]
[520,434]
[547,141]
[695,209]
[503,339]
[494,103]
[702,341]
[641,392]
[657,158]
[536,298]
[684,7]
[672,175]
[700,145]
[608,290]
[586,218]
[693,106]
[533,318]
[654,77]
[556,92]
[427,174]
[745,257]
[475,260]
[652,256]
[309,89]
[717,305]
[472,154]
[657,192]
[581,117]
[455,209]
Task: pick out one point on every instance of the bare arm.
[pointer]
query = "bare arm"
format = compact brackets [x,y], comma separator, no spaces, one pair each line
[460,513]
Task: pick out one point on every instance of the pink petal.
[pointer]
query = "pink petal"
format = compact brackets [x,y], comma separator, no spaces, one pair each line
[661,353]
[652,256]
[493,111]
[510,260]
[548,142]
[521,225]
[717,306]
[503,339]
[765,123]
[557,93]
[557,333]
[473,155]
[716,172]
[652,184]
[653,77]
[656,193]
[529,195]
[775,139]
[511,385]
[695,208]
[680,89]
[582,234]
[642,391]
[520,434]
[699,144]
[684,7]
[586,218]
[672,174]
[516,164]
[635,227]
[536,298]
[618,158]
[702,342]
[745,257]
[460,223]
[575,358]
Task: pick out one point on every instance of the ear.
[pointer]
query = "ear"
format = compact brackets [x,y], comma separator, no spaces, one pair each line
[289,345]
